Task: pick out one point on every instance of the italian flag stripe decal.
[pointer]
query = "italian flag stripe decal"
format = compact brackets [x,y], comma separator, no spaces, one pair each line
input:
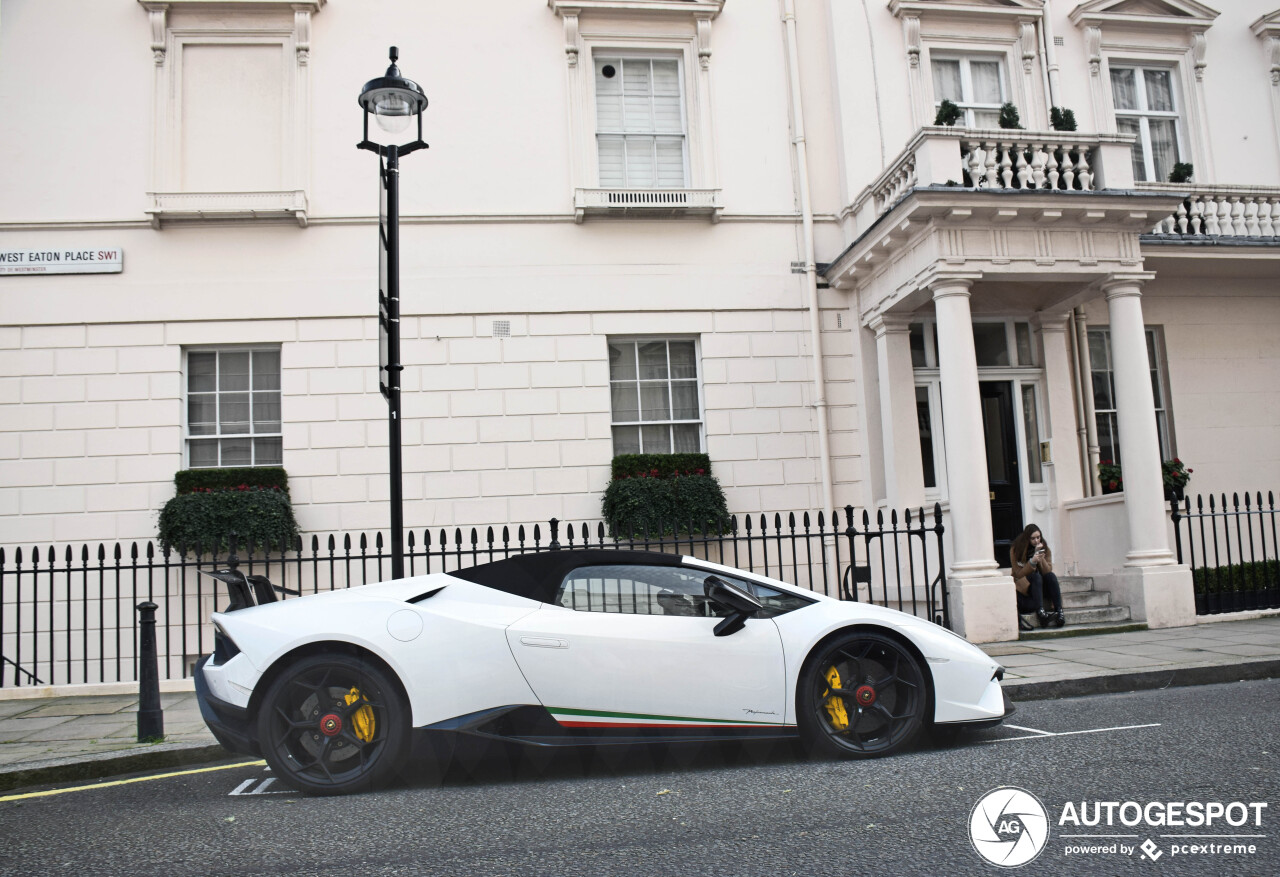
[577,718]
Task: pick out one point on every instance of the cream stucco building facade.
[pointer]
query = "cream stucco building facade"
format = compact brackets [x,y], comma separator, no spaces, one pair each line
[840,302]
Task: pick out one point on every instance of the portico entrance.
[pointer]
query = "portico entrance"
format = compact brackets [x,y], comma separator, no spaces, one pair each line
[1000,431]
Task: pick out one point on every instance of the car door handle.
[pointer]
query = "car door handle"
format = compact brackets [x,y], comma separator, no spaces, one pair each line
[543,642]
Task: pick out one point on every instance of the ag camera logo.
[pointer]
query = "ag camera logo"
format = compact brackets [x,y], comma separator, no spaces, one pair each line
[1009,827]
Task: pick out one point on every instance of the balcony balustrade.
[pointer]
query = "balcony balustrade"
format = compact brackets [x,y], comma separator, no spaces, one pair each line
[1000,160]
[1219,211]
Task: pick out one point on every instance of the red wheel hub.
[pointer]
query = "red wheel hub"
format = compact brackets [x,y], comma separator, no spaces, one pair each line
[331,725]
[865,695]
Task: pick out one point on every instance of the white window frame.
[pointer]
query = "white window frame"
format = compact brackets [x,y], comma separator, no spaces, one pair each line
[1008,31]
[1154,336]
[1143,114]
[1019,373]
[1177,39]
[701,420]
[179,24]
[603,55]
[218,436]
[641,28]
[969,106]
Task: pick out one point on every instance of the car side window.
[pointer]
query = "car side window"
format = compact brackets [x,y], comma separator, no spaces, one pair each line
[637,590]
[773,601]
[660,590]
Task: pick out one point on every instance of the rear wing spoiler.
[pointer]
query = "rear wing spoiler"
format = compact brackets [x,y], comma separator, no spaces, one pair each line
[244,588]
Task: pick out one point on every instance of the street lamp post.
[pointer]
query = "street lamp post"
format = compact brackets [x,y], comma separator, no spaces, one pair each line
[393,101]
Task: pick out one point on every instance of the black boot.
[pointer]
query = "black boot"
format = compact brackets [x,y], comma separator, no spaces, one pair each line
[1059,619]
[1043,617]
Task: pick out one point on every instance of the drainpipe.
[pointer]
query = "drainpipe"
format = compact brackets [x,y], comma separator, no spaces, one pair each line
[810,263]
[1092,486]
[1050,55]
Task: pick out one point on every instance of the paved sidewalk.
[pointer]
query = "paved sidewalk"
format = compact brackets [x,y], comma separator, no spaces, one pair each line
[61,739]
[1225,651]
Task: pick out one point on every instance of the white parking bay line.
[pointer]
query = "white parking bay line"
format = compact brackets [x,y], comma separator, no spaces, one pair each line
[1040,735]
[1032,730]
[264,788]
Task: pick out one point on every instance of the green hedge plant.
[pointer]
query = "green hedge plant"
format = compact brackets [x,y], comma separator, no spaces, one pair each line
[663,495]
[259,476]
[212,504]
[948,114]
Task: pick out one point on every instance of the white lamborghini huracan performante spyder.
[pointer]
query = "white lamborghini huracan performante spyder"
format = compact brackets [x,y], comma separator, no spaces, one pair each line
[573,648]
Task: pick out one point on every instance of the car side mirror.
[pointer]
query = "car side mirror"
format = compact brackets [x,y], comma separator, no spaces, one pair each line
[741,605]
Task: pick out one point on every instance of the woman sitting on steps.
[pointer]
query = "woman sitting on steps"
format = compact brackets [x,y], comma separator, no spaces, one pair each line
[1032,564]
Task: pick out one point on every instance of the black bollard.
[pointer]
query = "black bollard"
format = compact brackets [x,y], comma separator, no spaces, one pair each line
[150,715]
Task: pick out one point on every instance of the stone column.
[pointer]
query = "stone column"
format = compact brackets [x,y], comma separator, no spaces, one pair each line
[1157,589]
[982,599]
[1060,425]
[1136,419]
[903,467]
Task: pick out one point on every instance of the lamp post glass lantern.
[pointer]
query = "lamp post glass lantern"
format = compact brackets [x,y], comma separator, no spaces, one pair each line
[392,100]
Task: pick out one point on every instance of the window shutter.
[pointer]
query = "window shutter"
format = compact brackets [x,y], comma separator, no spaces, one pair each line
[640,123]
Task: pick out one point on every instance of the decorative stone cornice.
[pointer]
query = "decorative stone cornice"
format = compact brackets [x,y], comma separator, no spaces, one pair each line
[1181,14]
[235,5]
[968,8]
[1267,28]
[696,8]
[942,233]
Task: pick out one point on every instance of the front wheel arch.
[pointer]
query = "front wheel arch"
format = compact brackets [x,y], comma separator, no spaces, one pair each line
[819,650]
[816,649]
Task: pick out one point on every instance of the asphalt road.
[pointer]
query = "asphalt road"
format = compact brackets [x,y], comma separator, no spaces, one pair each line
[723,811]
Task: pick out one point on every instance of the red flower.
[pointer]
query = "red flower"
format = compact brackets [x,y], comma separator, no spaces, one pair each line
[702,471]
[1112,484]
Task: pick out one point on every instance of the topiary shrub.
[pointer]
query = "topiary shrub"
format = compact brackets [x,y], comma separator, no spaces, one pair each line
[948,114]
[663,495]
[211,505]
[1009,116]
[259,476]
[1061,119]
[1181,172]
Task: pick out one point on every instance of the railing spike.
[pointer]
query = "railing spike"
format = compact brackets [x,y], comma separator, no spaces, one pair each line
[409,538]
[364,542]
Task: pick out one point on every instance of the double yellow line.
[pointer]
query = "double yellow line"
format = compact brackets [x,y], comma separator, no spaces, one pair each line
[159,776]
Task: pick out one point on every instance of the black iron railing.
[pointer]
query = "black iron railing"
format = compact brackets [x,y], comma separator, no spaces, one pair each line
[1232,551]
[67,616]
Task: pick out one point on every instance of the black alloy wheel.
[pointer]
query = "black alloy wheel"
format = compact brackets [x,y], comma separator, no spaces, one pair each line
[862,696]
[330,725]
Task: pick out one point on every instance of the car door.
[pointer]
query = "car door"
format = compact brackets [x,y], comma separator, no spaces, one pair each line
[632,646]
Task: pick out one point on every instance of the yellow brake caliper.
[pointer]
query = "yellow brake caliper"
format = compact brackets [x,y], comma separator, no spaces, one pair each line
[362,721]
[835,704]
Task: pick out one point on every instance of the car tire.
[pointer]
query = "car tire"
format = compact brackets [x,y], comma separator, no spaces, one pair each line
[333,724]
[873,706]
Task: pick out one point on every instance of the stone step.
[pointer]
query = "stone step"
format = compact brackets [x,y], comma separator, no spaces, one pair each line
[1085,599]
[1081,630]
[1099,615]
[1075,584]
[1088,616]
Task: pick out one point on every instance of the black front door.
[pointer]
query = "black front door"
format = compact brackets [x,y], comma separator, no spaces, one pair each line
[1002,466]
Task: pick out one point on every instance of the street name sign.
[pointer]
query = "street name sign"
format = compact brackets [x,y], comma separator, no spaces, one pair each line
[63,260]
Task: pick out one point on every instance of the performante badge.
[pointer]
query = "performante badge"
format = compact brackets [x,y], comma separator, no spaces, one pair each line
[1009,827]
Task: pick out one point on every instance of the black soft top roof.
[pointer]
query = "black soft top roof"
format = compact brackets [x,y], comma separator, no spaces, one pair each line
[537,576]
